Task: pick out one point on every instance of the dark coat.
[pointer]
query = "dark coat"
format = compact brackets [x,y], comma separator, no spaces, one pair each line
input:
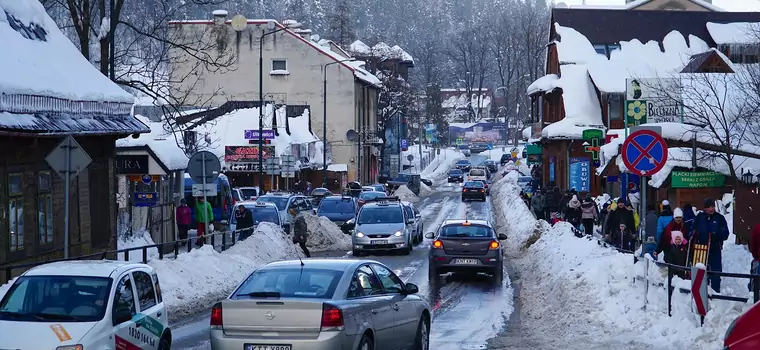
[617,217]
[552,200]
[300,229]
[244,219]
[712,228]
[677,254]
[651,225]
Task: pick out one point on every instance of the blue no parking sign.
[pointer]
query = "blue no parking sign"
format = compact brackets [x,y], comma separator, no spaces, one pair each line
[644,152]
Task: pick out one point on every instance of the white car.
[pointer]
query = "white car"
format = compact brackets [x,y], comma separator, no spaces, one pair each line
[478,174]
[76,305]
[261,211]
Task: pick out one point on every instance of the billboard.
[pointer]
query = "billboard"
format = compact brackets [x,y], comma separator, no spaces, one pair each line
[477,132]
[246,153]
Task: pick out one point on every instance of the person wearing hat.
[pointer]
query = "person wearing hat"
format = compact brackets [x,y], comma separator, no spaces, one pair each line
[619,216]
[666,216]
[300,230]
[184,218]
[663,245]
[711,227]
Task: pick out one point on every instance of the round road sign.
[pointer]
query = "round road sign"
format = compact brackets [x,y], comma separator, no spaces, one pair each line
[147,179]
[410,157]
[644,152]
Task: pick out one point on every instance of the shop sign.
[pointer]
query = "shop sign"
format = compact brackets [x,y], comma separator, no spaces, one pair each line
[128,164]
[580,174]
[246,153]
[698,179]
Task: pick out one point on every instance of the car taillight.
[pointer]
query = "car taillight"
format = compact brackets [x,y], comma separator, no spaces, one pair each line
[332,318]
[493,246]
[216,315]
[437,244]
[482,190]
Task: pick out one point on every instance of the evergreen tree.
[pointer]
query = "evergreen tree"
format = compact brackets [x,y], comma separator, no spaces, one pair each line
[340,24]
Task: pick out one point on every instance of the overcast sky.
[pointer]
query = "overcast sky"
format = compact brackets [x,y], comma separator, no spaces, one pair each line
[728,5]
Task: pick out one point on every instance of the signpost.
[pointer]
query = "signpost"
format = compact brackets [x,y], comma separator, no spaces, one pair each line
[68,159]
[268,134]
[272,167]
[204,167]
[699,289]
[404,144]
[288,170]
[460,141]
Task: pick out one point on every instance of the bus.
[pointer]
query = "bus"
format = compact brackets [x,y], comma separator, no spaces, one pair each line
[221,204]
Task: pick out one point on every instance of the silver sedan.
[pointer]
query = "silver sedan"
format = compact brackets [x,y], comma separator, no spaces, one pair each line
[322,304]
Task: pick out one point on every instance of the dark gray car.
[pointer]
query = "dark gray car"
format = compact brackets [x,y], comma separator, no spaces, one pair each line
[466,246]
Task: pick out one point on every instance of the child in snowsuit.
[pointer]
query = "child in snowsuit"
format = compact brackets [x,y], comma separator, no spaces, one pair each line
[573,212]
[678,251]
[622,237]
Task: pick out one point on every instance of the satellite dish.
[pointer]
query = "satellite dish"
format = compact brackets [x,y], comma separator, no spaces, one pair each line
[315,37]
[239,22]
[351,135]
[270,25]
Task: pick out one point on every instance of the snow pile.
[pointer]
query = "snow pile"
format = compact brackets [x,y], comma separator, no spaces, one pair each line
[195,280]
[162,141]
[325,235]
[405,194]
[734,33]
[425,190]
[594,286]
[441,164]
[140,239]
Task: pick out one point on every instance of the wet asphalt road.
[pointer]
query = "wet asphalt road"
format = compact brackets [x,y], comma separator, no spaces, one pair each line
[466,311]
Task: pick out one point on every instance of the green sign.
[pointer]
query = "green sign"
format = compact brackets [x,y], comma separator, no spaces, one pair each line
[701,179]
[594,148]
[533,149]
[590,134]
[635,112]
[460,142]
[150,324]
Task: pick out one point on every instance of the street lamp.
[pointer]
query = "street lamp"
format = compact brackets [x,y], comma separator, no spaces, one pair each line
[748,177]
[324,118]
[270,25]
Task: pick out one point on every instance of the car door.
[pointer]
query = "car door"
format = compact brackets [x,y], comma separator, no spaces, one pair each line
[418,220]
[125,303]
[150,312]
[409,215]
[405,316]
[379,307]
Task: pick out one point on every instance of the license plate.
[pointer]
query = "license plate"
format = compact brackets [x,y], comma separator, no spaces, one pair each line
[266,347]
[466,261]
[380,241]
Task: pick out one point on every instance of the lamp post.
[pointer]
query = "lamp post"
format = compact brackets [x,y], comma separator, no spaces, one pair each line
[748,177]
[324,118]
[270,26]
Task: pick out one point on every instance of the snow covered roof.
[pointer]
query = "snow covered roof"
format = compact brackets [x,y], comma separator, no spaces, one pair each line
[359,47]
[162,141]
[381,50]
[547,83]
[47,85]
[582,110]
[734,33]
[405,56]
[634,4]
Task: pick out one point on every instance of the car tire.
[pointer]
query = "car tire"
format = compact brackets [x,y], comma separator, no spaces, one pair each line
[164,344]
[409,248]
[422,340]
[433,274]
[358,252]
[463,200]
[366,343]
[498,275]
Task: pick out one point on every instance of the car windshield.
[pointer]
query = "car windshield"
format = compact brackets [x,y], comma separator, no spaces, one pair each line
[381,215]
[490,162]
[464,147]
[465,231]
[455,172]
[370,195]
[524,179]
[379,188]
[56,299]
[279,202]
[463,162]
[320,192]
[477,172]
[290,283]
[337,206]
[260,214]
[474,184]
[248,193]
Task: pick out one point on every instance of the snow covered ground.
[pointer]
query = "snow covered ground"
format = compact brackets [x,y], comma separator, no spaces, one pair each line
[440,166]
[139,239]
[405,194]
[595,289]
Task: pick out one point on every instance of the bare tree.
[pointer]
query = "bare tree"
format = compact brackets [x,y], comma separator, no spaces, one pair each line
[470,54]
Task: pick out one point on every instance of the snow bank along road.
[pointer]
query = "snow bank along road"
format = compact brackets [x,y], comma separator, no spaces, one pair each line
[466,311]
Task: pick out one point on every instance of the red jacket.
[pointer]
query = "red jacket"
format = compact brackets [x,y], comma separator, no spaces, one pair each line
[754,243]
[184,215]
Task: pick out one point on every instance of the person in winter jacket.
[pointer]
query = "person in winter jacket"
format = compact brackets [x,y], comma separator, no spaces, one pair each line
[636,218]
[184,217]
[619,216]
[676,225]
[552,201]
[244,218]
[538,204]
[678,251]
[651,218]
[300,231]
[754,249]
[589,215]
[666,216]
[710,226]
[564,199]
[203,214]
[573,212]
[621,237]
[688,218]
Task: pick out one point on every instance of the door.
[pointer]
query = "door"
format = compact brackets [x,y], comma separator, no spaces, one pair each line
[150,313]
[405,316]
[125,305]
[380,307]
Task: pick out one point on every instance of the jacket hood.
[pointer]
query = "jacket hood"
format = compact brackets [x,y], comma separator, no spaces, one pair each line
[574,203]
[587,205]
[666,211]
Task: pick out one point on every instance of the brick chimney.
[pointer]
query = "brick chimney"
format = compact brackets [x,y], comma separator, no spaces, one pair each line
[220,16]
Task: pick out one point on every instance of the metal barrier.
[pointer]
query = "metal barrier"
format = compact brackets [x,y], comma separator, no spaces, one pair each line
[228,239]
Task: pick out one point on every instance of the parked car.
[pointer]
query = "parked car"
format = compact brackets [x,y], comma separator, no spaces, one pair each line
[245,193]
[261,212]
[463,165]
[322,304]
[505,158]
[338,209]
[466,246]
[286,201]
[456,175]
[473,190]
[414,221]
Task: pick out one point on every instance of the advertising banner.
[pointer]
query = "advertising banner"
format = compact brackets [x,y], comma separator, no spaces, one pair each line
[651,101]
[477,132]
[580,174]
[246,153]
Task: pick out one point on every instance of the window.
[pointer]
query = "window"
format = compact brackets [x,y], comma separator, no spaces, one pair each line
[364,283]
[45,207]
[465,231]
[15,212]
[615,107]
[145,293]
[59,298]
[391,282]
[279,65]
[601,49]
[380,215]
[290,283]
[159,297]
[124,299]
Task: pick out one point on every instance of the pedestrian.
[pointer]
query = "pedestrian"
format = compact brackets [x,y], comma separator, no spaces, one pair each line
[650,229]
[184,217]
[620,215]
[563,200]
[710,228]
[636,218]
[573,212]
[203,214]
[688,218]
[666,216]
[622,237]
[300,231]
[244,219]
[589,215]
[552,201]
[676,225]
[538,204]
[678,252]
[754,249]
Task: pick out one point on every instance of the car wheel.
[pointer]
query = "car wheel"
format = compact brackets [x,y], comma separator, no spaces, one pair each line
[422,341]
[163,344]
[463,199]
[433,274]
[358,253]
[366,343]
[498,275]
[409,248]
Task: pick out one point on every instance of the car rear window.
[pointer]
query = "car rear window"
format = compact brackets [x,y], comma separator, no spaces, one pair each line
[474,184]
[455,172]
[290,283]
[525,179]
[477,172]
[337,206]
[370,195]
[463,162]
[461,230]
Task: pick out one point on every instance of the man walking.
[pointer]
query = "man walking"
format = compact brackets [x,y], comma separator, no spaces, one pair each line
[300,231]
[244,219]
[711,227]
[538,204]
[203,214]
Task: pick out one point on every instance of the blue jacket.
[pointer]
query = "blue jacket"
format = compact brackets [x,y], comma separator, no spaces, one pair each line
[662,223]
[704,226]
[688,222]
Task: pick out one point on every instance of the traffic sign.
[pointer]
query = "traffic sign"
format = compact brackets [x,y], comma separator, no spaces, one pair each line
[146,179]
[699,288]
[460,141]
[78,159]
[272,166]
[490,146]
[404,144]
[410,157]
[394,165]
[644,152]
[204,167]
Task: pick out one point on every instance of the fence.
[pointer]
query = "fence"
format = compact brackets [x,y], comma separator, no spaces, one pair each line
[226,239]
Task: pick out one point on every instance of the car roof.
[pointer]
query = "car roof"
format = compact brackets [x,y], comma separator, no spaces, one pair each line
[461,221]
[87,268]
[279,194]
[320,263]
[255,204]
[382,204]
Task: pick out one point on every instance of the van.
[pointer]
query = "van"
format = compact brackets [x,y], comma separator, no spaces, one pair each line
[221,204]
[478,174]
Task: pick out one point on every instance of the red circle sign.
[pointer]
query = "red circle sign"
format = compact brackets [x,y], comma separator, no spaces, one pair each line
[644,152]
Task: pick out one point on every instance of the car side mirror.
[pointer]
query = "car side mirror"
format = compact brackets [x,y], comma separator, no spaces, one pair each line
[348,226]
[410,221]
[430,235]
[418,216]
[502,237]
[121,316]
[412,288]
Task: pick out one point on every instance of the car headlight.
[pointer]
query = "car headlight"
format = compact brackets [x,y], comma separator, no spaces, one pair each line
[70,347]
[359,234]
[398,234]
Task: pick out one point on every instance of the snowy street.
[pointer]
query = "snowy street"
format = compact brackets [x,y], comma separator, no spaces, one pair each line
[466,311]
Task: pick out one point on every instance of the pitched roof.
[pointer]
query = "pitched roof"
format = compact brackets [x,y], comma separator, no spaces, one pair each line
[602,26]
[702,3]
[697,61]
